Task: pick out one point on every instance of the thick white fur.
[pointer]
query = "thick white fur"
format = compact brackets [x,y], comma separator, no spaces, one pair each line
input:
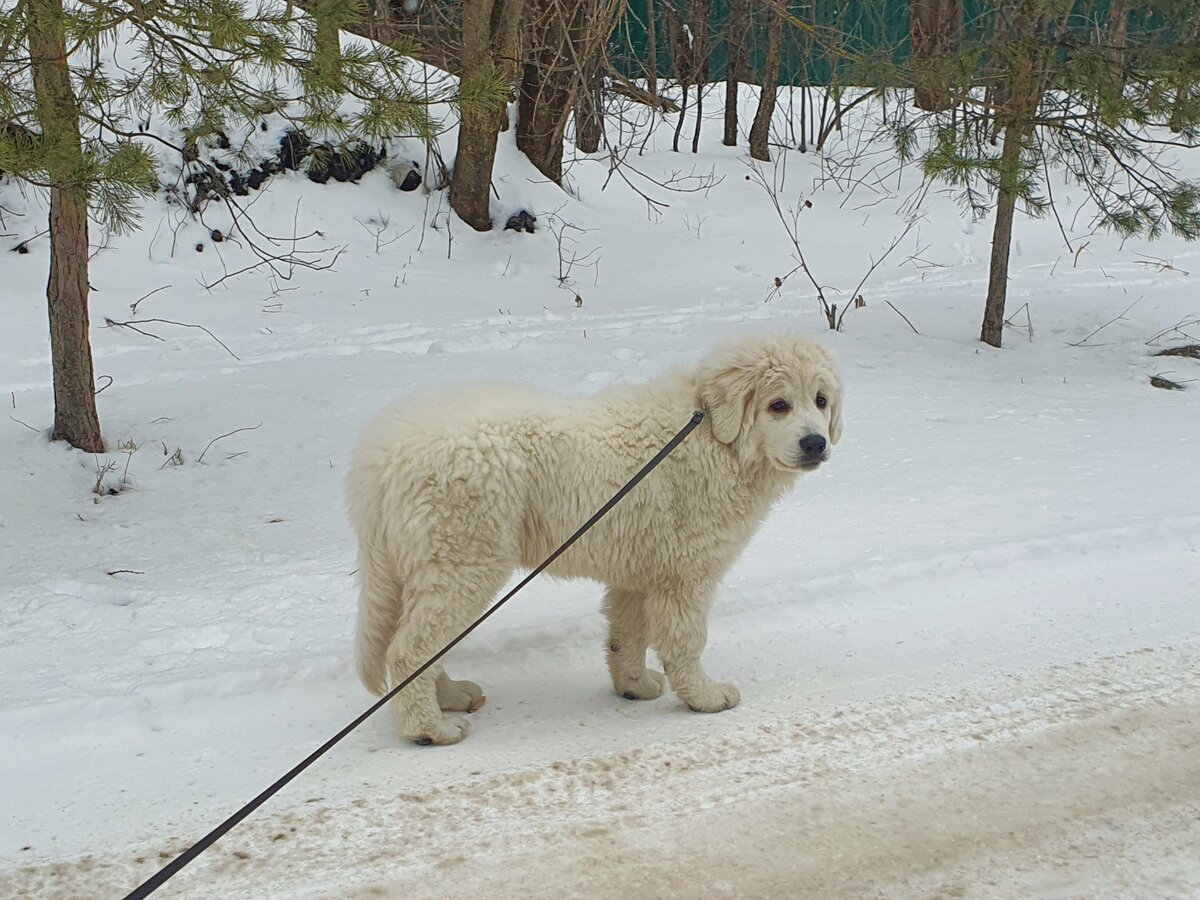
[450,492]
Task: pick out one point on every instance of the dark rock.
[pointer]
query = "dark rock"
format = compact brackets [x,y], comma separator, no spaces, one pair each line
[260,175]
[406,175]
[347,163]
[293,147]
[237,184]
[521,221]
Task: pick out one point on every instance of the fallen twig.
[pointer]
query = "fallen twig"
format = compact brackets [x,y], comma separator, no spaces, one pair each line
[1028,321]
[1106,324]
[134,305]
[903,316]
[1159,265]
[1177,328]
[227,434]
[1192,351]
[26,424]
[133,323]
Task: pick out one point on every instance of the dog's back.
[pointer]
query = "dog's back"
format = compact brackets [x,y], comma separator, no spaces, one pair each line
[451,455]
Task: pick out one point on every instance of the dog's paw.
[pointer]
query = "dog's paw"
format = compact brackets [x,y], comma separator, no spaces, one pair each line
[447,730]
[714,697]
[646,686]
[460,696]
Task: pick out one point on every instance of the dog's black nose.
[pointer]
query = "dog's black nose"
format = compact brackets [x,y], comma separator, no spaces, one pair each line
[813,445]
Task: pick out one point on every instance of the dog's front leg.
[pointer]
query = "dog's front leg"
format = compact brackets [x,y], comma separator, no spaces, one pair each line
[628,642]
[679,622]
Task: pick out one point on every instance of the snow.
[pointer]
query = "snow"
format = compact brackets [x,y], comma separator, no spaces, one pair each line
[968,649]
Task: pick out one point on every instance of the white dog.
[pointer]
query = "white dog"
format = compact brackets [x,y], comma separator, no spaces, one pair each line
[449,493]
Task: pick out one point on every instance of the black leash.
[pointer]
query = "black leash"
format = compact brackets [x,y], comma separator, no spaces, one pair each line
[161,877]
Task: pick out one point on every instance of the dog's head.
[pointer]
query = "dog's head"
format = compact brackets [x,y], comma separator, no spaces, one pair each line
[774,398]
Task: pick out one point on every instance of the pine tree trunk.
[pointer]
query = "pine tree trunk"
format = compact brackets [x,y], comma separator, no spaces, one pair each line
[735,53]
[760,131]
[1006,204]
[329,15]
[933,29]
[471,183]
[75,417]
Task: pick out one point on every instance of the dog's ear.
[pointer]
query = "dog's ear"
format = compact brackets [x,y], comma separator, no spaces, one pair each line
[726,392]
[835,416]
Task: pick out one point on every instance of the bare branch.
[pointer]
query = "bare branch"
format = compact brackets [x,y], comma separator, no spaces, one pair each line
[134,305]
[200,459]
[132,323]
[1106,324]
[903,316]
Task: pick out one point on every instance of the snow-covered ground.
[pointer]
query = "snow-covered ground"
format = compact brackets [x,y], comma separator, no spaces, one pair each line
[969,648]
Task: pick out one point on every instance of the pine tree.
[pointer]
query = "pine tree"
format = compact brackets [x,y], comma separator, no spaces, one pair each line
[488,54]
[70,120]
[1079,88]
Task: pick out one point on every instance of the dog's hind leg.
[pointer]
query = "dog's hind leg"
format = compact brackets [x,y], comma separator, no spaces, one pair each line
[457,696]
[449,600]
[628,641]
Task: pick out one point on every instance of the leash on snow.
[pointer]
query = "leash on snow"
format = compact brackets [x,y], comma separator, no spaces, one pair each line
[161,877]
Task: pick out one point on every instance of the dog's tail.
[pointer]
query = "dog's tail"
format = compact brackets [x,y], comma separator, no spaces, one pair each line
[378,618]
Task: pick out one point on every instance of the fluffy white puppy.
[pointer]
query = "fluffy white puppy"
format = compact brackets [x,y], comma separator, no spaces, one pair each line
[450,492]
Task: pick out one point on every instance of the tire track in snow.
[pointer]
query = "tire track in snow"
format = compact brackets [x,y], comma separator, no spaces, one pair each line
[931,785]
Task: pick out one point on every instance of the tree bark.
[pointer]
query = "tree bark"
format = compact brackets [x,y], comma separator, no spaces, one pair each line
[1117,31]
[1028,58]
[380,21]
[543,106]
[589,110]
[1006,204]
[506,46]
[681,54]
[651,49]
[933,27]
[699,16]
[75,417]
[490,45]
[471,182]
[567,38]
[735,54]
[760,131]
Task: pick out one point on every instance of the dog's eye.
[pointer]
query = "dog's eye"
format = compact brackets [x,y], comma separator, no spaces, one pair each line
[780,406]
[821,401]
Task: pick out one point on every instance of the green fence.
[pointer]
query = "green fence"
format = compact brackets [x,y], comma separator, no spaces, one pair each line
[866,30]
